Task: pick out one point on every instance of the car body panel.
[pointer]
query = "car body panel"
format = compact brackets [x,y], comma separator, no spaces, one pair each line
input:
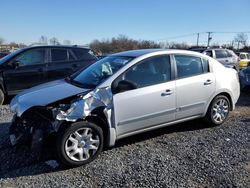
[151,106]
[190,103]
[145,108]
[43,95]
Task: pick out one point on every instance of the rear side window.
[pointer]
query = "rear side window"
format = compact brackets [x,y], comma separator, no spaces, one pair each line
[154,70]
[229,54]
[82,53]
[220,54]
[208,53]
[59,55]
[188,66]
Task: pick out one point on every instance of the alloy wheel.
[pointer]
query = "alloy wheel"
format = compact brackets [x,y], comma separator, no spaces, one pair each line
[82,144]
[220,110]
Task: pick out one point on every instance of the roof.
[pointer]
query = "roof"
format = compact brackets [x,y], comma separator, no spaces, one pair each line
[56,46]
[137,53]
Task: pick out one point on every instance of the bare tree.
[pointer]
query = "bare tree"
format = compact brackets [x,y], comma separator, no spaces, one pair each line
[43,40]
[176,45]
[21,45]
[54,41]
[1,40]
[241,38]
[67,42]
[14,44]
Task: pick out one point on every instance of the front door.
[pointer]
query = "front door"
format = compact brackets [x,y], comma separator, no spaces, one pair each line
[30,70]
[152,103]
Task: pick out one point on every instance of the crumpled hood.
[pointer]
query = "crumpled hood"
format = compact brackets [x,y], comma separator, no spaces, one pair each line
[43,95]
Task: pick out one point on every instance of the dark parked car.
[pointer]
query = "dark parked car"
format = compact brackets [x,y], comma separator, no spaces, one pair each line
[2,54]
[245,79]
[34,65]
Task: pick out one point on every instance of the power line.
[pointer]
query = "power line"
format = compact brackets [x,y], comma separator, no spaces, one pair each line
[231,32]
[193,34]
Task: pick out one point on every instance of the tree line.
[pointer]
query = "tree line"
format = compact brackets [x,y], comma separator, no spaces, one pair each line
[120,43]
[123,43]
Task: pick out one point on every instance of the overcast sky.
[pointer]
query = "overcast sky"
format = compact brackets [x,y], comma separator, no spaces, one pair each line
[82,21]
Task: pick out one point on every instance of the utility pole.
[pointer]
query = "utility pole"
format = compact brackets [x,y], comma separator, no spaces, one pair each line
[238,45]
[209,38]
[198,36]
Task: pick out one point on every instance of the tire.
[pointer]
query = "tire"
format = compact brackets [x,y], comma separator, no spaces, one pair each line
[218,110]
[1,97]
[79,144]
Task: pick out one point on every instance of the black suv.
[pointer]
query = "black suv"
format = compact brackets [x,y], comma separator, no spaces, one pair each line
[34,65]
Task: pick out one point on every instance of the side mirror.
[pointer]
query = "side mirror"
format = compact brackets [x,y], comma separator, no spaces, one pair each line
[124,85]
[15,64]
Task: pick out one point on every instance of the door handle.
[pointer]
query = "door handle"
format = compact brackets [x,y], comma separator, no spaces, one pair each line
[208,82]
[167,92]
[226,60]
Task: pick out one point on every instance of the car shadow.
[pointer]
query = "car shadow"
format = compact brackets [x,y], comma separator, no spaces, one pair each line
[20,161]
[192,125]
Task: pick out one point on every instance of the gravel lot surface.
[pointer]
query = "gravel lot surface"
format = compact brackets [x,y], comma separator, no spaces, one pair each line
[184,155]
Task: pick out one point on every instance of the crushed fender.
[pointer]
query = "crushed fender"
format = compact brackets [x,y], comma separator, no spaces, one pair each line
[83,107]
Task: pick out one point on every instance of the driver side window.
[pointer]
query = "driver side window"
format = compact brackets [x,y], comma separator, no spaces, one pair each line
[31,57]
[154,70]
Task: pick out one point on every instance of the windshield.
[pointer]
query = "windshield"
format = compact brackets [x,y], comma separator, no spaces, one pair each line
[100,71]
[9,56]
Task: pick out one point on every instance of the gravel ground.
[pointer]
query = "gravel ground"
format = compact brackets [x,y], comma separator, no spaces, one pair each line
[184,155]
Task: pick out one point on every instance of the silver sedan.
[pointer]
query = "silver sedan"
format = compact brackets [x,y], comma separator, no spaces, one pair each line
[121,95]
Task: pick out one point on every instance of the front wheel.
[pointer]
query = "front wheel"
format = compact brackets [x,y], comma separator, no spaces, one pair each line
[79,144]
[1,97]
[218,110]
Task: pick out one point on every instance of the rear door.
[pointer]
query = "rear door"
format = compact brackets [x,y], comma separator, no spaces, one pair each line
[30,70]
[195,85]
[152,103]
[61,63]
[84,56]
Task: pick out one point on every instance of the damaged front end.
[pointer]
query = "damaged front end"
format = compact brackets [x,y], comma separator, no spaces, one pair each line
[33,125]
[38,122]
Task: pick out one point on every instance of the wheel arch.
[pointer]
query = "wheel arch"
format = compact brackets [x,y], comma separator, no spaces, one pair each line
[224,93]
[97,116]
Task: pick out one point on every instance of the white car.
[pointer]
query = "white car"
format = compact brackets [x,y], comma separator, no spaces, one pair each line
[121,95]
[225,56]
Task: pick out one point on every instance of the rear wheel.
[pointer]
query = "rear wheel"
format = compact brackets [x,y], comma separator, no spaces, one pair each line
[1,97]
[79,144]
[218,110]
